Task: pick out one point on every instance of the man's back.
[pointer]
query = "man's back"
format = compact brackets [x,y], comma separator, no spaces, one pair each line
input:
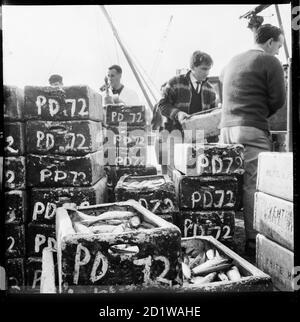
[253,89]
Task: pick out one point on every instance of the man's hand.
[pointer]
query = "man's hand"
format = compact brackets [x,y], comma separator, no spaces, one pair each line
[181,116]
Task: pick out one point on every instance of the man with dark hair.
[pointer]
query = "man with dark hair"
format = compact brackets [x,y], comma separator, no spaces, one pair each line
[56,80]
[253,90]
[121,93]
[189,93]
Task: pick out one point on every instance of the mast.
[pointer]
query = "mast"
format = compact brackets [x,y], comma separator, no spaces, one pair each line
[115,32]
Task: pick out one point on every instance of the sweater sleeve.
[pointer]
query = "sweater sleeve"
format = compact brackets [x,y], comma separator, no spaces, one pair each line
[275,85]
[166,103]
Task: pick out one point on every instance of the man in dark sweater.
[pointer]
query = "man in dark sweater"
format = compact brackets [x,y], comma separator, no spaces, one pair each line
[253,90]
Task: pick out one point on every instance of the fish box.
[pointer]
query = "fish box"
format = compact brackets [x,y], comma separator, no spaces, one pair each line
[45,201]
[39,237]
[279,139]
[275,174]
[15,240]
[15,275]
[126,157]
[274,218]
[15,173]
[15,205]
[206,192]
[115,173]
[210,159]
[126,136]
[64,137]
[113,255]
[132,115]
[218,224]
[205,123]
[14,138]
[13,99]
[250,278]
[276,261]
[33,272]
[68,103]
[61,171]
[155,193]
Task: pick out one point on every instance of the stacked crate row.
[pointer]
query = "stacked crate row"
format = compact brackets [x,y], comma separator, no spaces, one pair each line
[64,143]
[15,195]
[208,185]
[274,218]
[126,138]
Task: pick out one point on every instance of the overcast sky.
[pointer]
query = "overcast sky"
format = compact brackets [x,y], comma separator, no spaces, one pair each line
[77,42]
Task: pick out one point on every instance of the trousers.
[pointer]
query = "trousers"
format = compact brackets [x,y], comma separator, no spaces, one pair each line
[254,141]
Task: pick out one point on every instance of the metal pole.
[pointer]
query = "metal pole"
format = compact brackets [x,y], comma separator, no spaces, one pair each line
[127,56]
[289,108]
[281,27]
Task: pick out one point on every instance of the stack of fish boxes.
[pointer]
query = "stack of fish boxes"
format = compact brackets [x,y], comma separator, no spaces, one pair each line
[65,161]
[126,138]
[15,195]
[274,218]
[208,185]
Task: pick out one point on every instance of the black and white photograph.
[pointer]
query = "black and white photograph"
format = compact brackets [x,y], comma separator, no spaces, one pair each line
[150,151]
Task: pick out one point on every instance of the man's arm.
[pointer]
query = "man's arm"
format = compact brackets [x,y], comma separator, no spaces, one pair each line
[276,85]
[166,103]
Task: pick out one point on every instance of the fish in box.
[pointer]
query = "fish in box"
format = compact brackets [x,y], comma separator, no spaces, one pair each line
[64,137]
[156,193]
[62,171]
[62,104]
[210,266]
[15,173]
[44,201]
[116,244]
[14,240]
[275,174]
[14,138]
[13,99]
[206,192]
[210,159]
[132,115]
[15,205]
[39,237]
[15,275]
[274,218]
[219,224]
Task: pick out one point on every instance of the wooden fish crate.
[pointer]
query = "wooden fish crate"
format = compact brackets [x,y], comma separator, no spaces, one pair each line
[15,275]
[14,240]
[218,224]
[68,103]
[14,138]
[274,218]
[62,171]
[275,174]
[45,201]
[252,279]
[221,192]
[15,205]
[276,261]
[13,99]
[156,193]
[132,115]
[15,173]
[210,159]
[63,137]
[94,260]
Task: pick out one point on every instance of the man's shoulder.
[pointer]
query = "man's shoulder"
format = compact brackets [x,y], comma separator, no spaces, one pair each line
[178,79]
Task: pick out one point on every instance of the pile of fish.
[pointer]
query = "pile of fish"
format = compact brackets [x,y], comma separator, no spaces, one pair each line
[115,222]
[144,184]
[202,264]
